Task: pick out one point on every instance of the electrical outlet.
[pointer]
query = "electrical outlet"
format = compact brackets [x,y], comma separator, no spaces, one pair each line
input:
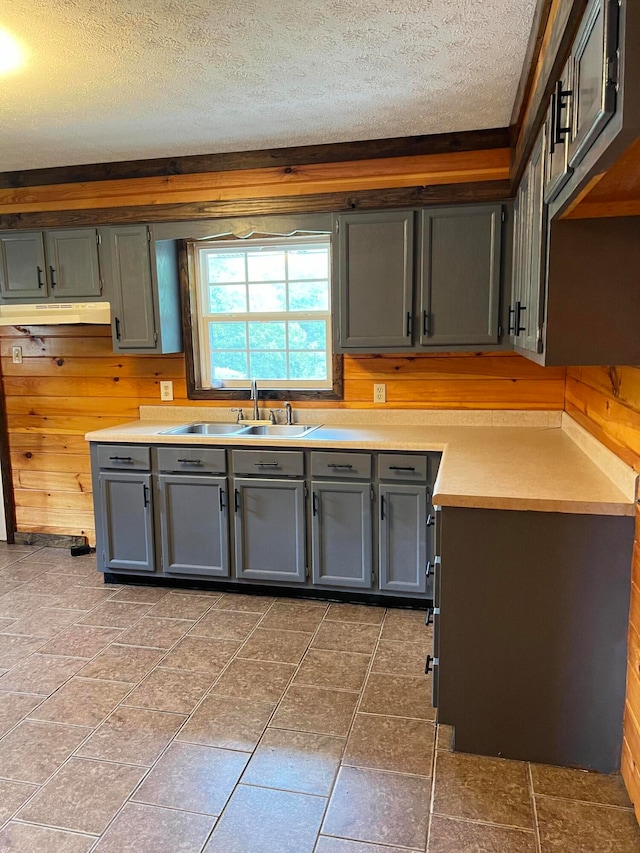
[166,390]
[16,355]
[380,393]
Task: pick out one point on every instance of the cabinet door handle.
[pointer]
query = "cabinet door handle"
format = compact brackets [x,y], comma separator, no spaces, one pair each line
[426,326]
[512,326]
[236,500]
[222,500]
[117,321]
[429,569]
[430,520]
[381,507]
[409,324]
[267,464]
[52,272]
[190,461]
[120,459]
[314,503]
[335,465]
[518,328]
[401,468]
[40,280]
[429,617]
[146,495]
[561,103]
[428,665]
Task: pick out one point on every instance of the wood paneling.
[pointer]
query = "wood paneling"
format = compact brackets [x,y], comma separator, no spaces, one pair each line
[606,401]
[616,193]
[70,382]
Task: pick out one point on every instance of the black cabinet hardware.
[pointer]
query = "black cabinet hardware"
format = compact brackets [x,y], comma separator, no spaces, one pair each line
[117,321]
[145,490]
[401,468]
[409,324]
[518,309]
[121,459]
[428,665]
[335,465]
[429,617]
[267,464]
[314,503]
[512,326]
[429,568]
[190,461]
[52,273]
[236,500]
[561,103]
[430,520]
[40,281]
[221,497]
[426,328]
[381,507]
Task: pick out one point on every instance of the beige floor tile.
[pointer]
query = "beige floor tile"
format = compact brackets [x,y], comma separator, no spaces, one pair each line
[15,707]
[326,844]
[12,796]
[141,594]
[5,623]
[34,750]
[391,743]
[201,654]
[359,613]
[176,606]
[82,702]
[486,789]
[194,778]
[132,736]
[115,614]
[23,572]
[346,637]
[17,604]
[83,796]
[81,641]
[40,674]
[27,838]
[455,836]
[82,598]
[295,616]
[341,670]
[295,761]
[122,663]
[265,681]
[147,829]
[173,690]
[316,709]
[244,603]
[50,584]
[153,632]
[226,625]
[272,645]
[381,808]
[445,737]
[398,696]
[261,820]
[15,649]
[579,785]
[397,658]
[44,622]
[570,827]
[228,723]
[408,626]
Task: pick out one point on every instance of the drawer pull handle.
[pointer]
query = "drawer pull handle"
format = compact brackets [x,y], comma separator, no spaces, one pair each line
[335,465]
[401,468]
[191,461]
[121,459]
[429,617]
[267,464]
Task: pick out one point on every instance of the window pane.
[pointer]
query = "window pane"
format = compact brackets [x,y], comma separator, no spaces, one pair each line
[267,336]
[228,299]
[228,335]
[309,296]
[225,267]
[307,365]
[310,334]
[309,263]
[266,266]
[229,365]
[268,365]
[268,297]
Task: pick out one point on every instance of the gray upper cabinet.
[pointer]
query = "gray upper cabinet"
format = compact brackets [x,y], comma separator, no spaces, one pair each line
[403,538]
[193,524]
[72,263]
[125,521]
[341,539]
[22,265]
[595,75]
[141,279]
[559,121]
[373,273]
[460,272]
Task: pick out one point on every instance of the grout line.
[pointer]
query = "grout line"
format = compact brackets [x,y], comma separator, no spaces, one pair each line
[534,809]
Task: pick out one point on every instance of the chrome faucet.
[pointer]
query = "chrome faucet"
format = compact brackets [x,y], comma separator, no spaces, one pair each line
[289,411]
[254,396]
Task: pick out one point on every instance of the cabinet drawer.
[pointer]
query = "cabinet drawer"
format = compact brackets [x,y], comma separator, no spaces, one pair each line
[128,457]
[395,466]
[195,460]
[349,465]
[272,463]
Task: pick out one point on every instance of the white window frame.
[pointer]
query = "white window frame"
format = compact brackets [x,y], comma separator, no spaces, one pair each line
[201,319]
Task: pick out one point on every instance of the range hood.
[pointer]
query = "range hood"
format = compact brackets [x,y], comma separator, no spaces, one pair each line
[55,314]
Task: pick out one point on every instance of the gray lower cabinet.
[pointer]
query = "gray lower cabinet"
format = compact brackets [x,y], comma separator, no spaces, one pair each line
[341,534]
[72,263]
[402,538]
[193,524]
[125,521]
[22,265]
[269,529]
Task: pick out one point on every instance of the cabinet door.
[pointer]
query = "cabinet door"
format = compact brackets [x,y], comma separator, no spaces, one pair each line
[529,317]
[126,517]
[373,268]
[559,121]
[595,76]
[193,523]
[72,259]
[460,275]
[127,269]
[269,528]
[22,267]
[341,534]
[403,538]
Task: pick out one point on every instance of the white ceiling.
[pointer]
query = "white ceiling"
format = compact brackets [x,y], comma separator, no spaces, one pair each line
[126,79]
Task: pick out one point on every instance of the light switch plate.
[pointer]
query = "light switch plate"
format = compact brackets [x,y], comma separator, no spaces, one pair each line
[166,390]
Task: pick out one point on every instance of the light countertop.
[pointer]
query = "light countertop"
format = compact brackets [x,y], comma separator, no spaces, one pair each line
[493,467]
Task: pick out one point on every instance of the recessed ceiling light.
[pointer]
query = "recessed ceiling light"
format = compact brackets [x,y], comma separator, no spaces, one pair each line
[12,54]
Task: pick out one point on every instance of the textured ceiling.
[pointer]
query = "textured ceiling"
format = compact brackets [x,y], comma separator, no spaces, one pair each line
[126,79]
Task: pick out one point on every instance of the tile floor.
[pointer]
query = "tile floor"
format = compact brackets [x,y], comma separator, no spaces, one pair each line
[164,721]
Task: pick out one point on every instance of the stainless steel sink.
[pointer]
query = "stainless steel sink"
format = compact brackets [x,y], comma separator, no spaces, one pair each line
[256,431]
[291,430]
[207,429]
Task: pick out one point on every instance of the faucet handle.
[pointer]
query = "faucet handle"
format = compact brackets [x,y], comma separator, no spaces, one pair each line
[272,415]
[240,414]
[289,410]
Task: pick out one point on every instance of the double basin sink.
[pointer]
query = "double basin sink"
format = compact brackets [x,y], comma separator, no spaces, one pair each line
[237,429]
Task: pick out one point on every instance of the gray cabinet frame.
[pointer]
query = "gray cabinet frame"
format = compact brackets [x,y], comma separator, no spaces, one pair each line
[72,263]
[125,529]
[394,539]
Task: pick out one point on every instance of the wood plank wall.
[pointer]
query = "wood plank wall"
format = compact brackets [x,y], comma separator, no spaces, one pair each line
[70,382]
[606,401]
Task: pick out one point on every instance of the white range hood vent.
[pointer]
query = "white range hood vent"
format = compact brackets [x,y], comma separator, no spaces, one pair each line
[52,314]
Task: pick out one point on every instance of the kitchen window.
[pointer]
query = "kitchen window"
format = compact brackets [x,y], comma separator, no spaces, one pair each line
[261,309]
